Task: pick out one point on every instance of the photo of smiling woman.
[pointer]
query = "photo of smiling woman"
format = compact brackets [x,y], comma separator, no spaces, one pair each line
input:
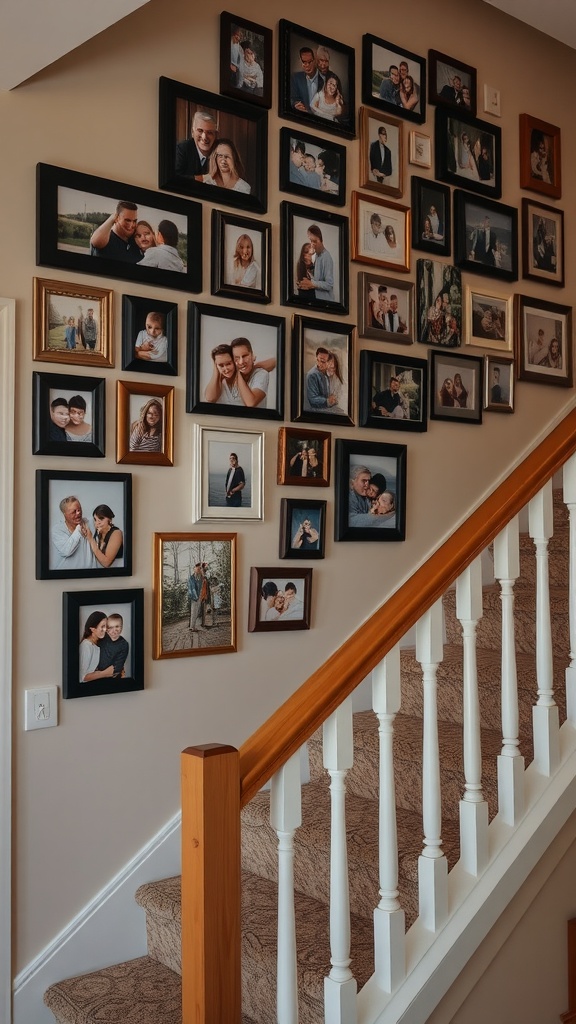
[146,431]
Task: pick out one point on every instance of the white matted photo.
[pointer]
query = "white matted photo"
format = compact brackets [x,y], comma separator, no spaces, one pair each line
[228,479]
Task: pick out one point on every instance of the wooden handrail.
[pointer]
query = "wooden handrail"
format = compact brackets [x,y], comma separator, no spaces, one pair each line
[305,711]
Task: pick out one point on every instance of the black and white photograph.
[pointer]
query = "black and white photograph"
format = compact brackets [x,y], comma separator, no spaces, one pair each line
[149,335]
[542,243]
[393,79]
[381,153]
[241,267]
[68,415]
[439,303]
[451,83]
[314,253]
[385,308]
[498,383]
[485,237]
[393,392]
[455,387]
[370,491]
[316,80]
[468,153]
[228,474]
[103,642]
[245,60]
[312,167]
[321,371]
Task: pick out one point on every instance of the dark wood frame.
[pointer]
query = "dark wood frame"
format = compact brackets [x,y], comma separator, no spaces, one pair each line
[72,604]
[489,359]
[226,88]
[419,188]
[451,278]
[455,413]
[445,158]
[287,32]
[288,506]
[322,218]
[164,392]
[528,125]
[461,249]
[286,435]
[42,384]
[389,123]
[371,100]
[290,574]
[43,289]
[529,268]
[245,225]
[133,315]
[368,450]
[402,213]
[367,280]
[544,375]
[434,59]
[366,417]
[300,325]
[317,195]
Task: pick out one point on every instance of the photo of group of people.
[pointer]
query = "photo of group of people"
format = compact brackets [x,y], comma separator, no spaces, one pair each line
[396,79]
[314,166]
[456,387]
[439,299]
[73,326]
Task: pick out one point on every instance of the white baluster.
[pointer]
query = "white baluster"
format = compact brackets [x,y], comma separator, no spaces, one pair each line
[545,721]
[510,760]
[570,499]
[473,807]
[389,918]
[285,818]
[432,865]
[340,986]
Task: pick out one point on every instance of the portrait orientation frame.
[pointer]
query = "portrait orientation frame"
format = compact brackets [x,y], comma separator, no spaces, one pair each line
[369,325]
[425,196]
[499,396]
[126,409]
[387,460]
[376,371]
[178,553]
[532,177]
[260,39]
[555,321]
[209,500]
[308,404]
[332,184]
[135,311]
[495,331]
[371,121]
[62,297]
[243,123]
[293,89]
[294,236]
[57,212]
[63,385]
[377,57]
[292,443]
[439,306]
[469,214]
[367,249]
[419,149]
[444,362]
[440,68]
[450,125]
[76,607]
[224,227]
[315,512]
[542,243]
[301,578]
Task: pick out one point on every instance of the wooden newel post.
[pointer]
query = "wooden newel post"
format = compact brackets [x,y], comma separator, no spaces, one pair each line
[211,982]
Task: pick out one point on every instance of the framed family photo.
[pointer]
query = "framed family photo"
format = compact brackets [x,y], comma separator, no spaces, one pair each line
[485,237]
[72,324]
[303,457]
[542,243]
[245,60]
[68,415]
[144,423]
[393,79]
[321,371]
[102,642]
[385,308]
[279,602]
[468,152]
[314,255]
[228,478]
[455,387]
[431,220]
[380,233]
[451,83]
[381,153]
[540,157]
[498,383]
[393,392]
[490,321]
[370,491]
[149,335]
[302,528]
[241,267]
[543,341]
[313,168]
[439,303]
[317,76]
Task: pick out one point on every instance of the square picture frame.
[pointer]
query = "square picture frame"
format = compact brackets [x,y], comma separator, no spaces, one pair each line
[312,167]
[542,243]
[538,325]
[303,457]
[194,608]
[241,265]
[439,313]
[102,642]
[305,60]
[420,149]
[55,303]
[245,60]
[490,320]
[498,383]
[431,216]
[485,237]
[54,430]
[381,153]
[144,423]
[314,258]
[384,68]
[322,371]
[154,350]
[228,482]
[380,233]
[451,83]
[393,392]
[468,152]
[453,402]
[302,528]
[280,599]
[370,464]
[540,157]
[385,308]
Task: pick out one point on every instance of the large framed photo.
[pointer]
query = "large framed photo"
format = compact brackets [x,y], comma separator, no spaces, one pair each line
[385,308]
[381,153]
[241,266]
[245,60]
[451,83]
[314,254]
[489,320]
[302,528]
[540,157]
[68,415]
[194,594]
[485,237]
[303,457]
[370,491]
[393,392]
[228,478]
[498,383]
[235,363]
[439,303]
[144,423]
[468,153]
[212,147]
[102,642]
[149,335]
[317,77]
[542,243]
[279,602]
[321,371]
[380,233]
[83,524]
[101,227]
[393,79]
[312,167]
[455,387]
[72,323]
[431,219]
[543,341]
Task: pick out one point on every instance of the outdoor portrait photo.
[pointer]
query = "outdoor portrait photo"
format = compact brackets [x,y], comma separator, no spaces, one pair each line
[468,153]
[240,257]
[456,387]
[72,324]
[439,302]
[393,79]
[370,491]
[68,415]
[385,308]
[314,248]
[316,80]
[279,602]
[321,371]
[228,474]
[245,60]
[103,649]
[544,341]
[381,153]
[303,457]
[393,392]
[312,167]
[486,237]
[149,335]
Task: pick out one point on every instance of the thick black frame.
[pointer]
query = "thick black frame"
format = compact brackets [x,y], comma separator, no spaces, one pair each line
[49,178]
[365,418]
[313,194]
[298,414]
[418,187]
[220,220]
[226,22]
[443,170]
[369,40]
[132,312]
[42,383]
[286,29]
[435,58]
[287,509]
[460,236]
[365,181]
[288,211]
[343,450]
[535,274]
[257,575]
[453,414]
[72,602]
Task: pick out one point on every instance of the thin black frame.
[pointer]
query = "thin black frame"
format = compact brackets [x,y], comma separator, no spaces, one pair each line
[455,413]
[132,315]
[72,603]
[257,576]
[218,286]
[368,358]
[529,270]
[419,187]
[309,192]
[446,159]
[288,211]
[42,384]
[226,22]
[486,206]
[287,508]
[434,96]
[286,29]
[48,181]
[344,450]
[368,96]
[300,325]
[323,439]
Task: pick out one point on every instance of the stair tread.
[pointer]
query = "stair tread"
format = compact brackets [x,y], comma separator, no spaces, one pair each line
[140,991]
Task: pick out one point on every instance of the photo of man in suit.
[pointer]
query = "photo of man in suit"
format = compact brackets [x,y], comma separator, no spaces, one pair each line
[192,154]
[381,156]
[484,244]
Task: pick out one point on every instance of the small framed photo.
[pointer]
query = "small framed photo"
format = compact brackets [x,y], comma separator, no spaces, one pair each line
[468,153]
[540,158]
[485,237]
[455,387]
[228,479]
[451,83]
[303,457]
[542,243]
[380,233]
[431,220]
[370,491]
[381,153]
[211,147]
[543,341]
[149,335]
[68,415]
[102,642]
[194,594]
[385,308]
[489,320]
[235,363]
[72,324]
[317,77]
[83,524]
[498,383]
[279,602]
[314,254]
[144,424]
[393,79]
[420,149]
[245,60]
[393,392]
[313,168]
[439,303]
[302,528]
[321,371]
[241,267]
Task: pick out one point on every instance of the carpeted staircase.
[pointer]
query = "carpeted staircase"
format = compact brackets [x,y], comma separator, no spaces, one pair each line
[147,990]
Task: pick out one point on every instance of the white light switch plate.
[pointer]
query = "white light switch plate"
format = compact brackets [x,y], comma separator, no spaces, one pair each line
[492,101]
[40,708]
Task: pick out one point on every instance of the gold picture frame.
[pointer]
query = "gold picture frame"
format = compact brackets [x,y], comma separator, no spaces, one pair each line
[56,304]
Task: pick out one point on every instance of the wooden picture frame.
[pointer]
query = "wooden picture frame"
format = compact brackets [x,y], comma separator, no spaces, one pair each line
[280,599]
[103,640]
[457,402]
[303,53]
[540,157]
[542,243]
[228,479]
[68,415]
[451,83]
[302,528]
[393,392]
[380,468]
[378,297]
[241,263]
[489,320]
[380,233]
[420,149]
[431,216]
[498,383]
[381,153]
[384,67]
[245,75]
[439,314]
[154,350]
[494,254]
[314,258]
[322,371]
[144,423]
[312,167]
[303,457]
[468,152]
[55,303]
[538,325]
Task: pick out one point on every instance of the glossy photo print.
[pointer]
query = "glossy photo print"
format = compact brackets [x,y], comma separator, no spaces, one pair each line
[439,302]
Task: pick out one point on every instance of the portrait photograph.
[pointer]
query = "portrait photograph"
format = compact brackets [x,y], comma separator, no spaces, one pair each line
[194,594]
[420,149]
[370,491]
[451,83]
[543,341]
[314,254]
[321,371]
[83,524]
[279,602]
[312,168]
[393,392]
[439,303]
[228,474]
[542,243]
[245,60]
[455,387]
[303,457]
[211,147]
[431,220]
[149,335]
[72,324]
[385,308]
[380,233]
[302,528]
[540,157]
[498,383]
[317,77]
[381,153]
[393,79]
[468,153]
[144,423]
[68,415]
[489,320]
[235,362]
[103,642]
[485,237]
[241,267]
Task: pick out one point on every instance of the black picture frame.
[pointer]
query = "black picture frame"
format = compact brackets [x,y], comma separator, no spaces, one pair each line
[302,528]
[325,182]
[295,222]
[542,243]
[446,365]
[468,152]
[48,433]
[322,371]
[242,124]
[439,304]
[211,326]
[386,462]
[378,56]
[272,581]
[470,215]
[81,607]
[245,86]
[229,232]
[431,216]
[442,71]
[90,490]
[294,101]
[159,359]
[56,203]
[539,324]
[408,412]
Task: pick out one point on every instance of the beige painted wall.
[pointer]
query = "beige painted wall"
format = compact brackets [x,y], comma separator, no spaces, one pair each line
[92,791]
